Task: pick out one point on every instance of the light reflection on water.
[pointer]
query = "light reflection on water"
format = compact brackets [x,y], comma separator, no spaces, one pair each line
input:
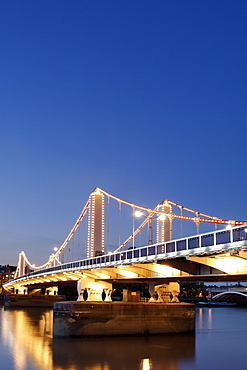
[204,317]
[142,353]
[27,333]
[26,343]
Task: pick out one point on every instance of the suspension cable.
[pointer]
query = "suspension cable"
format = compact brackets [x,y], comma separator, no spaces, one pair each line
[198,218]
[211,219]
[119,222]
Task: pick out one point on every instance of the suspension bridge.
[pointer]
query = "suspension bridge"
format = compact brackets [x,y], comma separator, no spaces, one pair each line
[114,240]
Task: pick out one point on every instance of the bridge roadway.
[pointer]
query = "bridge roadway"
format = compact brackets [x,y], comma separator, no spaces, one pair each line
[216,256]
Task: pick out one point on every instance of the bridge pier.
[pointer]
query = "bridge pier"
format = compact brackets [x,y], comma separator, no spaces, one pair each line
[22,297]
[75,319]
[92,290]
[164,293]
[168,292]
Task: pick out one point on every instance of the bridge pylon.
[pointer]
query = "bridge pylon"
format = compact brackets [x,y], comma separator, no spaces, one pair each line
[164,224]
[96,227]
[21,264]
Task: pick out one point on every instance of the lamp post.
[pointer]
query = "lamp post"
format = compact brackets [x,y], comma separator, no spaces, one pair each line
[55,250]
[133,228]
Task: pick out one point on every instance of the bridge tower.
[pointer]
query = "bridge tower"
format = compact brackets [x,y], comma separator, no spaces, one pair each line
[21,264]
[96,226]
[164,224]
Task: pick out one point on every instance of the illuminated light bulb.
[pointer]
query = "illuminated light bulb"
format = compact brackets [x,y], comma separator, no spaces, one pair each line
[138,214]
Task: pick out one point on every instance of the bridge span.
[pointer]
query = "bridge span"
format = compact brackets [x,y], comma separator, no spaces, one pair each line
[219,255]
[216,256]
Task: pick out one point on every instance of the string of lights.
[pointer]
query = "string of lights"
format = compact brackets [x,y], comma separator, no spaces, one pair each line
[89,208]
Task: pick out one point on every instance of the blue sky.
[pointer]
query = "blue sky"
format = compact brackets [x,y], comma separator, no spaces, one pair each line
[145,99]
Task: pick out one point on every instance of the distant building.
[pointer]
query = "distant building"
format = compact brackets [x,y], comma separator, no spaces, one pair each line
[6,273]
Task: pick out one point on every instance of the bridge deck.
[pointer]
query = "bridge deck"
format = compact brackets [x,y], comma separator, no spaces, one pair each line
[199,245]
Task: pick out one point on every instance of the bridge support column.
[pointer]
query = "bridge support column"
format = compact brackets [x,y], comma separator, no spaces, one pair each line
[93,290]
[167,292]
[151,288]
[53,290]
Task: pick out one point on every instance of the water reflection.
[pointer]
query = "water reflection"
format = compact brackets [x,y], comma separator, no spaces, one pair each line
[142,353]
[28,334]
[204,318]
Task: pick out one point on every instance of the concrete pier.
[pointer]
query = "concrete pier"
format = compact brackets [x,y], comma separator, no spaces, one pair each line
[73,319]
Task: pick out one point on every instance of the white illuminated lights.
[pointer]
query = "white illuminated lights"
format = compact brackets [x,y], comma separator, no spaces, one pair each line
[138,213]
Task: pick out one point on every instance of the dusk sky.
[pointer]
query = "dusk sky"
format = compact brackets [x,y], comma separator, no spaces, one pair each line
[145,99]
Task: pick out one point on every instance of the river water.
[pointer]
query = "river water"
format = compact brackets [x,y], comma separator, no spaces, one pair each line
[219,342]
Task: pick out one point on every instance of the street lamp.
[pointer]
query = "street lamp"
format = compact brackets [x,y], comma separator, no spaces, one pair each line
[55,250]
[138,214]
[161,217]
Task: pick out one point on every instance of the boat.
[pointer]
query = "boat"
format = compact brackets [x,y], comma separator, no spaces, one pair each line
[215,304]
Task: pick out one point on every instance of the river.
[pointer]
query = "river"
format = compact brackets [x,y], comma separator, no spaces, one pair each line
[219,342]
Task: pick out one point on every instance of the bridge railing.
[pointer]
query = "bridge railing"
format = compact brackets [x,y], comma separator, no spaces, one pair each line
[220,240]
